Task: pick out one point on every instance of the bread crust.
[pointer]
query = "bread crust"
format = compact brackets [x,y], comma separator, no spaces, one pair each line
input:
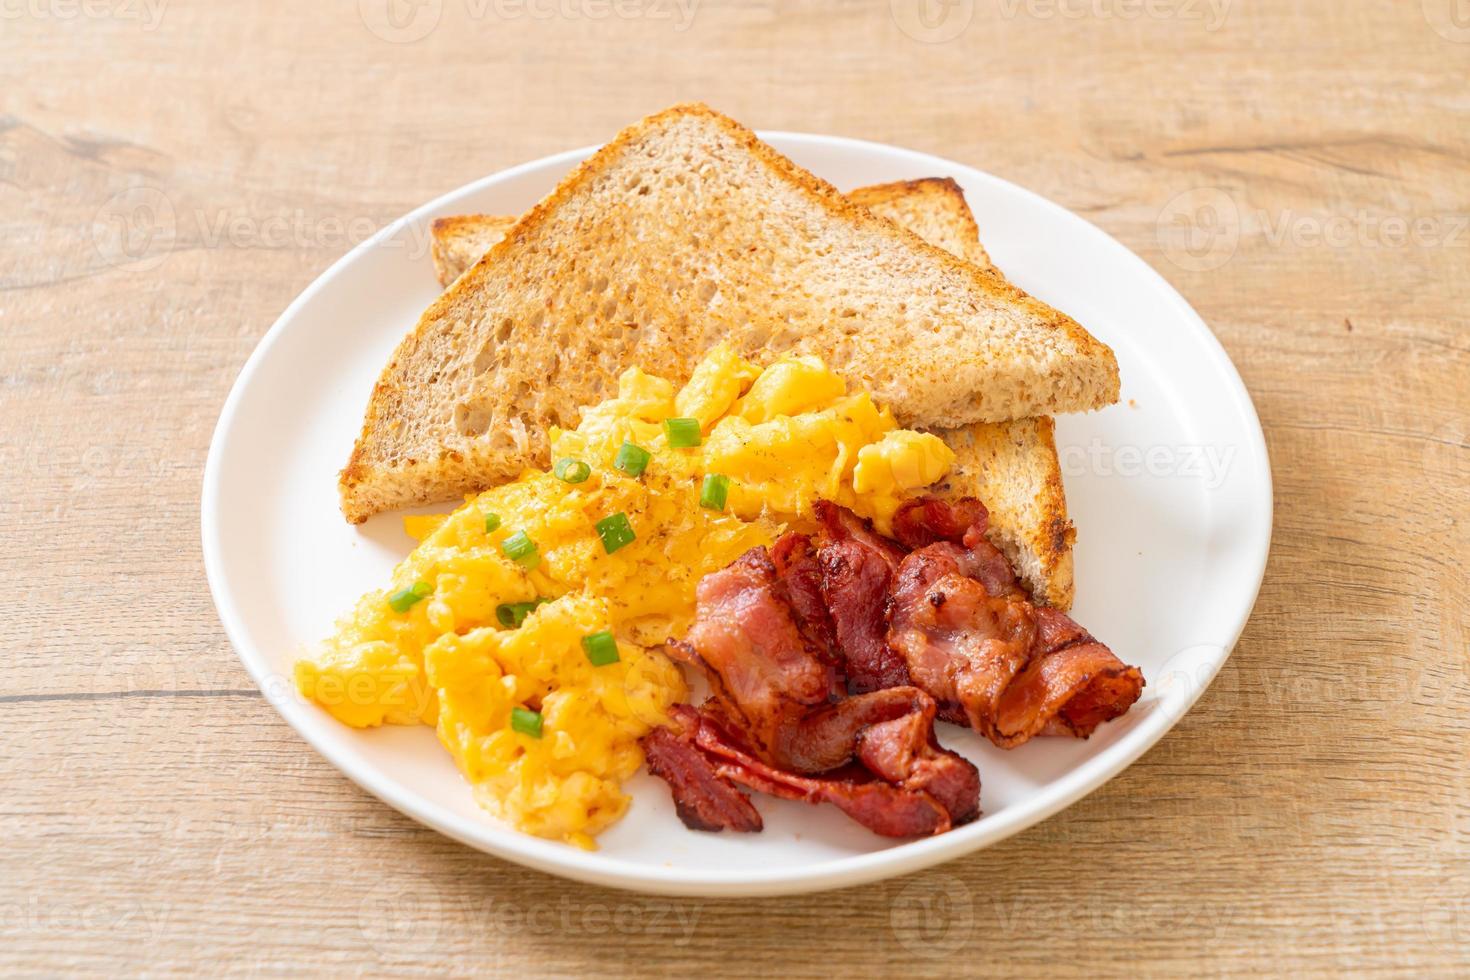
[369,484]
[1013,466]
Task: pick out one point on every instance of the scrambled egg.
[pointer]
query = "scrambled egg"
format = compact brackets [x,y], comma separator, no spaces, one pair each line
[525,626]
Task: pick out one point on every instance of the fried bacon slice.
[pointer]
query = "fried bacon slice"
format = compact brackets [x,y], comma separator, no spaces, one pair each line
[857,567]
[884,808]
[765,675]
[703,798]
[972,638]
[795,560]
[777,720]
[829,660]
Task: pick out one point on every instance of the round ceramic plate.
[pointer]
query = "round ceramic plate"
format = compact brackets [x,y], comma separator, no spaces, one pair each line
[1170,491]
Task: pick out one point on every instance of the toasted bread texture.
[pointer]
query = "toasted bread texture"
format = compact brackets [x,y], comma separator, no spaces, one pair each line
[934,208]
[1013,468]
[684,230]
[460,241]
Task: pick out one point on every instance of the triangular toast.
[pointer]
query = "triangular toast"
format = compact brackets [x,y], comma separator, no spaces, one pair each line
[684,230]
[1012,466]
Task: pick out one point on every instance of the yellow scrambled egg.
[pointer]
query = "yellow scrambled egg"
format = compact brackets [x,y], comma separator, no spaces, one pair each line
[525,626]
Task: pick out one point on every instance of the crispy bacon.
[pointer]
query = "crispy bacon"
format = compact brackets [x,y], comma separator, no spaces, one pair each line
[921,522]
[857,566]
[777,714]
[801,576]
[973,639]
[932,625]
[703,798]
[883,807]
[765,675]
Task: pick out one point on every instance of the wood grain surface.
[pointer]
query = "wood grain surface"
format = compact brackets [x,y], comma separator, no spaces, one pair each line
[173,172]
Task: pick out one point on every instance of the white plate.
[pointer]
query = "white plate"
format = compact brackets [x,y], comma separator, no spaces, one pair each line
[1170,491]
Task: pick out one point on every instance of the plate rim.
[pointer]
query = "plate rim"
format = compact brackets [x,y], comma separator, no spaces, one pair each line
[592,868]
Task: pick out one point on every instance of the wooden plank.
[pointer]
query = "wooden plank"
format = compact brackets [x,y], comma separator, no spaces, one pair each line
[1311,816]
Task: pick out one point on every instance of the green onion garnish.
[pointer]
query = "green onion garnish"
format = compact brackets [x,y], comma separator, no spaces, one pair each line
[570,470]
[615,531]
[601,648]
[713,492]
[513,614]
[526,721]
[492,522]
[632,460]
[520,549]
[682,433]
[405,599]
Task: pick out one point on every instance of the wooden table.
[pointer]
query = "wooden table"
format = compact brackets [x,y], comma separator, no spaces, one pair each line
[1299,171]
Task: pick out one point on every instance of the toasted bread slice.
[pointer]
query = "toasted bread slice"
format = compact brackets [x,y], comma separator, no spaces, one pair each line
[933,208]
[458,242]
[684,230]
[1011,466]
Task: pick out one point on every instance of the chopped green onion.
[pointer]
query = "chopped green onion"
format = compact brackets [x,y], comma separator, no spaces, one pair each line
[632,460]
[492,523]
[570,470]
[405,599]
[520,549]
[601,648]
[713,492]
[615,531]
[513,614]
[682,433]
[526,721]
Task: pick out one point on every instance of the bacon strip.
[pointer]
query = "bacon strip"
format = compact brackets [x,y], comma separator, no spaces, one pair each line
[777,714]
[973,639]
[703,798]
[885,809]
[800,575]
[765,674]
[932,625]
[924,521]
[857,566]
